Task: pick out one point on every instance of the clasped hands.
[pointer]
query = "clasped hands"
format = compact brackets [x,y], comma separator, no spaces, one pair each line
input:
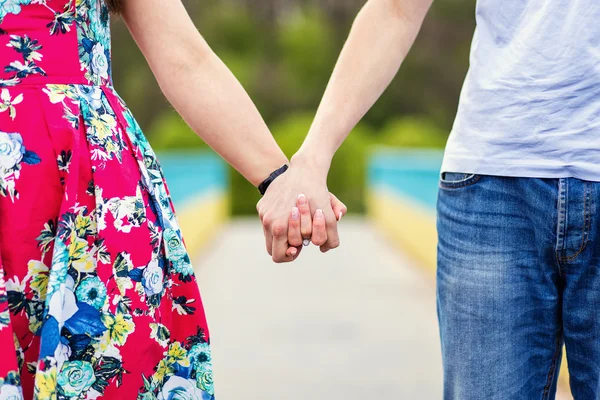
[297,207]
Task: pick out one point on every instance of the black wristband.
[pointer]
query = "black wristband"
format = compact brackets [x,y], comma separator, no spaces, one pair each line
[262,188]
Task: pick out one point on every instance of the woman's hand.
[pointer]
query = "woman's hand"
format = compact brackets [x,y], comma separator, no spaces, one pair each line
[301,217]
[274,209]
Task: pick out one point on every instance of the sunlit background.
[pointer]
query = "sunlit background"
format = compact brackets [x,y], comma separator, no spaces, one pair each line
[358,323]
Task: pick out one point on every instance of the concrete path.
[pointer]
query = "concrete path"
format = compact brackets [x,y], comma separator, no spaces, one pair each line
[357,323]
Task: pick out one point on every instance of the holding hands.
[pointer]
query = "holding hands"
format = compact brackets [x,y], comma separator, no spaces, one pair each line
[298,208]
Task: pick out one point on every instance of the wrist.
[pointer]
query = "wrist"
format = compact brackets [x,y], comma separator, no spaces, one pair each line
[266,167]
[262,188]
[314,161]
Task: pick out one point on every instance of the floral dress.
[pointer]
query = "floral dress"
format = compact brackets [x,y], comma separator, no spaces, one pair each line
[98,297]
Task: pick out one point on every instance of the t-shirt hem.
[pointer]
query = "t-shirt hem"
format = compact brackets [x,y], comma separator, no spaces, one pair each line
[520,169]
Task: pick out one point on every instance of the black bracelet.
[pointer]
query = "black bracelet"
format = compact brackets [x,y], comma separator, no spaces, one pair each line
[262,188]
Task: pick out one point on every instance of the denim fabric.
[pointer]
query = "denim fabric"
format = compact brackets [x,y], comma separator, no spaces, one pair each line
[518,276]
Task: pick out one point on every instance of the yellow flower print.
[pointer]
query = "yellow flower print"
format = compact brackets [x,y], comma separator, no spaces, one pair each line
[163,369]
[119,327]
[84,226]
[178,354]
[77,247]
[39,281]
[102,125]
[80,256]
[87,263]
[103,343]
[57,93]
[8,103]
[45,384]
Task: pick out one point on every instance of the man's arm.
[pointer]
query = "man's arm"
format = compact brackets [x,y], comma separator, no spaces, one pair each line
[379,41]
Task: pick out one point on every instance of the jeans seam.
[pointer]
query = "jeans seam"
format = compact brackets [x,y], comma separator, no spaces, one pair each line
[459,184]
[560,228]
[586,226]
[552,371]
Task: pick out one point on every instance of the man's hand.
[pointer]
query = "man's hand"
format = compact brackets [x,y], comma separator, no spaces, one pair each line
[283,194]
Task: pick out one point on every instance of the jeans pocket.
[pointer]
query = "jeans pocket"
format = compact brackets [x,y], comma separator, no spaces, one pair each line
[456,180]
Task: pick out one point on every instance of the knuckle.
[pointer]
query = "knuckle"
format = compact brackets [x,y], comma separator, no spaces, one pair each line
[295,241]
[333,244]
[304,210]
[279,229]
[319,241]
[267,220]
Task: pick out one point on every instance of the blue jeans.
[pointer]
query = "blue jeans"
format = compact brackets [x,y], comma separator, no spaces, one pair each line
[518,276]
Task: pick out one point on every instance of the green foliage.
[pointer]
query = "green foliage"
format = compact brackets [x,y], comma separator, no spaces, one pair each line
[238,40]
[412,132]
[305,55]
[170,132]
[347,175]
[283,53]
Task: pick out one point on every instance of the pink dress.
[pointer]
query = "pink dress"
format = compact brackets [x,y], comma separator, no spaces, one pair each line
[98,297]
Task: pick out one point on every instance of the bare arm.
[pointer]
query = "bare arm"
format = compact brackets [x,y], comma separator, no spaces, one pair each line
[201,87]
[380,39]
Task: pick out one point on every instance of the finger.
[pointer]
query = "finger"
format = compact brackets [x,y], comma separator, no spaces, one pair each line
[305,217]
[319,235]
[294,234]
[268,240]
[280,249]
[293,252]
[279,230]
[339,208]
[333,238]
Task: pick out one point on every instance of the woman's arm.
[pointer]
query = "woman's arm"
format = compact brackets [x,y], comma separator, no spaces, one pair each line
[201,88]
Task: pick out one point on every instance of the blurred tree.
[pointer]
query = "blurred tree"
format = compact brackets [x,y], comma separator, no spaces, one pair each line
[283,52]
[170,132]
[412,131]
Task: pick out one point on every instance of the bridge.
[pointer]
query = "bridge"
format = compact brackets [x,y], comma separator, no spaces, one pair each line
[356,323]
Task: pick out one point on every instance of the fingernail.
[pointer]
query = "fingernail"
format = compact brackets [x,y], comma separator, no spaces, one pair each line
[295,213]
[294,251]
[319,214]
[306,242]
[302,199]
[341,215]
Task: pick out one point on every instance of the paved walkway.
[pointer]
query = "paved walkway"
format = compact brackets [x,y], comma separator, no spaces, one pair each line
[357,323]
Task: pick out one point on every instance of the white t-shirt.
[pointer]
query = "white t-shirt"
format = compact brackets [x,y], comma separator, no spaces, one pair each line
[530,105]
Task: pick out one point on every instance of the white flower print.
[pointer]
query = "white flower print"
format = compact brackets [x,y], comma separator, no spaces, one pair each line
[8,103]
[10,392]
[180,388]
[153,279]
[11,150]
[99,61]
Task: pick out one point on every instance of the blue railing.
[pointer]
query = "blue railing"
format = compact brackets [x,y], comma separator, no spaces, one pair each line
[407,172]
[192,174]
